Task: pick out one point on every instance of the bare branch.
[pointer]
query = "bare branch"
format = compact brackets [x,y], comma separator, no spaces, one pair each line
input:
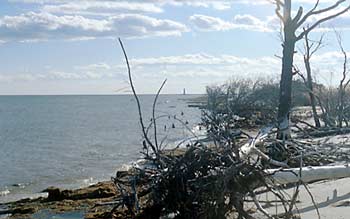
[258,205]
[321,21]
[318,46]
[314,12]
[339,39]
[307,47]
[308,14]
[298,72]
[153,114]
[298,16]
[136,98]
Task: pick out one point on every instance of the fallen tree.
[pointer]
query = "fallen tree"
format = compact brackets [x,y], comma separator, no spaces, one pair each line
[308,174]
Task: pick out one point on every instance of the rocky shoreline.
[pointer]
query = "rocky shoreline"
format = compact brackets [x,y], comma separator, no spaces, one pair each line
[60,201]
[92,201]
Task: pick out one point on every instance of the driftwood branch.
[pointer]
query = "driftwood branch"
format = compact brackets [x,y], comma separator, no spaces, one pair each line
[309,174]
[136,98]
[154,117]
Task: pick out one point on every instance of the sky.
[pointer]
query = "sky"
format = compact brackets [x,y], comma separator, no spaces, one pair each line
[71,47]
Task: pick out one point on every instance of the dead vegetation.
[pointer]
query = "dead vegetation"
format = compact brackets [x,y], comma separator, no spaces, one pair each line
[216,180]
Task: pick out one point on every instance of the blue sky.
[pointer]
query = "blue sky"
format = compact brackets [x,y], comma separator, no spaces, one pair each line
[70,47]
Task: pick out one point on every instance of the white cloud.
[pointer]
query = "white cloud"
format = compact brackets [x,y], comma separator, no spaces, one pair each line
[208,23]
[45,26]
[217,5]
[153,6]
[269,24]
[38,1]
[266,2]
[249,22]
[202,59]
[247,19]
[132,25]
[62,75]
[196,3]
[329,58]
[314,1]
[101,7]
[18,77]
[175,67]
[205,65]
[188,59]
[225,66]
[246,22]
[88,72]
[221,5]
[94,67]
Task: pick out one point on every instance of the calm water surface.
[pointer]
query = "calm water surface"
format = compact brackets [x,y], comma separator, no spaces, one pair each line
[71,141]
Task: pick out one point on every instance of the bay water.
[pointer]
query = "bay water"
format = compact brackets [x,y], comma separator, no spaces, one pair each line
[73,141]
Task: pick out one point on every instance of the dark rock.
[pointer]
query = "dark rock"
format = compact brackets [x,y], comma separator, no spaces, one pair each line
[20,210]
[55,194]
[24,210]
[99,190]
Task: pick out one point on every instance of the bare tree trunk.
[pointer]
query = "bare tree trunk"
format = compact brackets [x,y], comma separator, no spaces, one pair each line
[309,174]
[285,98]
[307,57]
[343,84]
[341,106]
[311,94]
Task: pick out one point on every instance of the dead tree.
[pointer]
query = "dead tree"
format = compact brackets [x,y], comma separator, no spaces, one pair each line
[344,82]
[291,36]
[310,49]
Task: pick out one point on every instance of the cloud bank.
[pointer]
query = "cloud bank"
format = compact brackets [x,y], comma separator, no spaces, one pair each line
[45,26]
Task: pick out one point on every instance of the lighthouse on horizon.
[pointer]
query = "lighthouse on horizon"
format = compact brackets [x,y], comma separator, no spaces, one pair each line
[184,92]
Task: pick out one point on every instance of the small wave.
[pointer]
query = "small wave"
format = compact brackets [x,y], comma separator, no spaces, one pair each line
[4,192]
[88,182]
[20,185]
[139,164]
[199,130]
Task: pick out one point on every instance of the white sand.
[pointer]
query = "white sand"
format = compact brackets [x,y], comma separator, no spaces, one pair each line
[332,198]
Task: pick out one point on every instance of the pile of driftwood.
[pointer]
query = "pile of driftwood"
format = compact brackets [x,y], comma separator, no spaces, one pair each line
[200,182]
[205,181]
